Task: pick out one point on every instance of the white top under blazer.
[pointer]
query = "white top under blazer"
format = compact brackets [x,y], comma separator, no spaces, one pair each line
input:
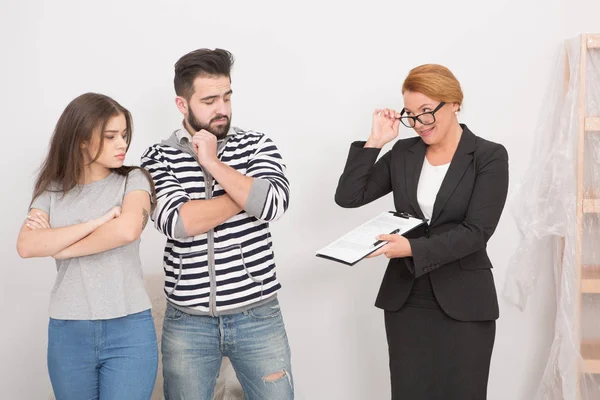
[430,182]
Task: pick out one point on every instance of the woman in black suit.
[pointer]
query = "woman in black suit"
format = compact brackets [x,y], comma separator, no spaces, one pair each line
[438,292]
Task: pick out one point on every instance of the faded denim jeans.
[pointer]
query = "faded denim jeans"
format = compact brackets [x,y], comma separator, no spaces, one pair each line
[255,341]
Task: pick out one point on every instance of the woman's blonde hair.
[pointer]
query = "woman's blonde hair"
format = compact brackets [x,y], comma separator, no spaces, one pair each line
[434,81]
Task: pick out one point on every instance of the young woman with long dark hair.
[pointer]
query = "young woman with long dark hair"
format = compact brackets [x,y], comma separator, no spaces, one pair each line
[88,212]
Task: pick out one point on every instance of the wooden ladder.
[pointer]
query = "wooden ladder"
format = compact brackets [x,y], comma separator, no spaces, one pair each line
[588,276]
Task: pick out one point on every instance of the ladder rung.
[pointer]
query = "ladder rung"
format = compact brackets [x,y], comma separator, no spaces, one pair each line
[591,366]
[590,352]
[592,124]
[591,206]
[590,279]
[590,286]
[593,41]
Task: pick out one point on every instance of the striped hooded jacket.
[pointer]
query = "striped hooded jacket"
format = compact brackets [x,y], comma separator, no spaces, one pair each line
[230,268]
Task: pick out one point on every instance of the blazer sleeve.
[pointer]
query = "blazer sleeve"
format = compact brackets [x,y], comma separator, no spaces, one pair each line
[483,213]
[364,179]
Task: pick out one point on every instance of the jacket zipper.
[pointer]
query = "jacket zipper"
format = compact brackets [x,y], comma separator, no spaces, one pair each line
[210,239]
[210,244]
[210,236]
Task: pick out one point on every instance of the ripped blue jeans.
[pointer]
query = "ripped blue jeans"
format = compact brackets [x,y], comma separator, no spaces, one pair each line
[255,341]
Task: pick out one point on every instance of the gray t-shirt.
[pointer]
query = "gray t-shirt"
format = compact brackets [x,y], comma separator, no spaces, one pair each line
[104,285]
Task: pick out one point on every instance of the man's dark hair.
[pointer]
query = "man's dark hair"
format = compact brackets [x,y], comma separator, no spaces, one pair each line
[217,62]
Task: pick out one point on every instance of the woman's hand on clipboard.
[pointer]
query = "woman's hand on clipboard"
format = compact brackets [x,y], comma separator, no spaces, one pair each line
[397,247]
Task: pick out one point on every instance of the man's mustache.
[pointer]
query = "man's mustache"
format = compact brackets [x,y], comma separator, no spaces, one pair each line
[218,117]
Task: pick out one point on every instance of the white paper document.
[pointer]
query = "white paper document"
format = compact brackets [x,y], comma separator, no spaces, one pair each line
[362,241]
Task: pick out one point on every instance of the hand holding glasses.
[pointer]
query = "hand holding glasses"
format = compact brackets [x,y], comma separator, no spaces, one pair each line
[384,129]
[385,124]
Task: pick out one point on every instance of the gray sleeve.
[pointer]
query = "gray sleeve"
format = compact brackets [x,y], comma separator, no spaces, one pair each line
[42,202]
[137,180]
[180,229]
[257,199]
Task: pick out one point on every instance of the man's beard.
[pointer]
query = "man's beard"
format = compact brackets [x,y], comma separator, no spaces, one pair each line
[219,131]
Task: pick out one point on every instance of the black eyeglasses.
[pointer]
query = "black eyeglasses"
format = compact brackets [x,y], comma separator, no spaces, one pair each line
[426,118]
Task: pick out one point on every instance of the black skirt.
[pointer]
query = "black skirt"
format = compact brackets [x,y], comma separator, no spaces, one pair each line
[434,357]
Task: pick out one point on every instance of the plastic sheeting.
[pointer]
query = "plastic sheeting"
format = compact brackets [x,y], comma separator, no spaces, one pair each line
[544,207]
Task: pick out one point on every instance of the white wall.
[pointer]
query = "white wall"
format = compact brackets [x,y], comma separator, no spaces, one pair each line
[308,75]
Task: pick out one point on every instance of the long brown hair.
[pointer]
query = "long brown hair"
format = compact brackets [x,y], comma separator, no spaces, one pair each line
[62,169]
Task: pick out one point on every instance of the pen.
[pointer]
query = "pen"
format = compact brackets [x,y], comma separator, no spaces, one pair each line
[403,215]
[406,215]
[391,233]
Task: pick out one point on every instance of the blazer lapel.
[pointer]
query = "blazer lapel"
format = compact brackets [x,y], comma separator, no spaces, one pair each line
[412,166]
[458,166]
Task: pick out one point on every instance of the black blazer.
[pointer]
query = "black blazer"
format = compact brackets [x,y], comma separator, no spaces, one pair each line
[452,249]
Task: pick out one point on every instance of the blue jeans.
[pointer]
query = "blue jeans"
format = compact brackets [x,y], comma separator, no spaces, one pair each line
[255,341]
[113,359]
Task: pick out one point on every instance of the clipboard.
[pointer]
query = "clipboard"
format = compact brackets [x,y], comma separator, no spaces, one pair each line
[361,241]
